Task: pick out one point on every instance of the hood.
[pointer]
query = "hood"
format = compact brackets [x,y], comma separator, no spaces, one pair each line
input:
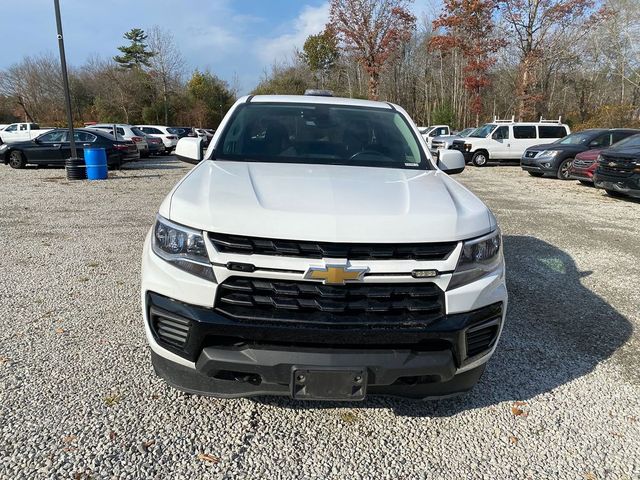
[327,203]
[632,152]
[446,137]
[557,146]
[589,154]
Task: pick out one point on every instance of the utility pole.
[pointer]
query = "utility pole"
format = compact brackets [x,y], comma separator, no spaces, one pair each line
[73,165]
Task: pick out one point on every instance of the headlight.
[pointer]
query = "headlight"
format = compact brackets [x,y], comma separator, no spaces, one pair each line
[182,247]
[468,147]
[547,153]
[478,258]
[599,159]
[3,147]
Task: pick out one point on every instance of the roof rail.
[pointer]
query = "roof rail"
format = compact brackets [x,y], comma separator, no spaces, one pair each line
[543,120]
[497,120]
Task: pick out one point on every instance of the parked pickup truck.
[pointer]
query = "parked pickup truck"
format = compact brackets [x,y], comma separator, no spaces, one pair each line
[317,250]
[21,132]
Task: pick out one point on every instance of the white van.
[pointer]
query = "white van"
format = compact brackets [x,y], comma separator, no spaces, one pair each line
[507,139]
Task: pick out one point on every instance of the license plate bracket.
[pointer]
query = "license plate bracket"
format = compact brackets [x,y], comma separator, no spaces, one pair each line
[329,383]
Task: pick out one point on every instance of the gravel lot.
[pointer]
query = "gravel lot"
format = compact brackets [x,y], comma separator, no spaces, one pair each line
[78,397]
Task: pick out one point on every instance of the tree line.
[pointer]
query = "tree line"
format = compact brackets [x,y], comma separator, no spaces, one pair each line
[144,83]
[477,59]
[462,65]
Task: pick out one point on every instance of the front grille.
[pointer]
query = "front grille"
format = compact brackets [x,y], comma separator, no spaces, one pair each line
[582,163]
[621,167]
[370,304]
[481,338]
[170,329]
[457,145]
[226,243]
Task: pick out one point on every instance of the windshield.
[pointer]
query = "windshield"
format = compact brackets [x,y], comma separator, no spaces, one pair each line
[322,134]
[579,138]
[175,131]
[483,131]
[629,142]
[466,132]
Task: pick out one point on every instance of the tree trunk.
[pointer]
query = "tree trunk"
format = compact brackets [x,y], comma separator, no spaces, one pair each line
[166,105]
[374,85]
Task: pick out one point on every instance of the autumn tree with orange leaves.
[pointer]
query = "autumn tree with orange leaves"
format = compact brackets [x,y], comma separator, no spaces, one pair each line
[533,24]
[468,25]
[372,30]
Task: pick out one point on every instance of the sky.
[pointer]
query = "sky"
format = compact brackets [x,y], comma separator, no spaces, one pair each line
[233,38]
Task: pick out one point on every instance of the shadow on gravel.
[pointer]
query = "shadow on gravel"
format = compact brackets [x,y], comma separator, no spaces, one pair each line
[158,163]
[556,331]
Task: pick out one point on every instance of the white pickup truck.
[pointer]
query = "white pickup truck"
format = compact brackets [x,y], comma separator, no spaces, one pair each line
[318,250]
[19,132]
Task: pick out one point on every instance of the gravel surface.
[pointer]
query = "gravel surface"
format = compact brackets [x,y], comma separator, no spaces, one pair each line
[78,397]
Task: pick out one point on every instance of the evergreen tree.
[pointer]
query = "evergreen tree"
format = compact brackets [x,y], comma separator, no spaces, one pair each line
[135,55]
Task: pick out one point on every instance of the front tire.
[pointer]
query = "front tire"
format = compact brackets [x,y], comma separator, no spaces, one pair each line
[536,174]
[480,159]
[564,169]
[17,160]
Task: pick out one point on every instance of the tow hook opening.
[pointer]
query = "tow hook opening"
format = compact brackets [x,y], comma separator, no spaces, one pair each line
[240,377]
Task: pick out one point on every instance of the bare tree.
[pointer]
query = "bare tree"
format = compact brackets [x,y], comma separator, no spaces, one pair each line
[167,64]
[35,85]
[373,30]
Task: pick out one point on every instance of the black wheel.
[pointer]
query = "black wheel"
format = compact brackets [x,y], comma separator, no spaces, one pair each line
[480,159]
[564,169]
[16,159]
[614,193]
[536,174]
[586,183]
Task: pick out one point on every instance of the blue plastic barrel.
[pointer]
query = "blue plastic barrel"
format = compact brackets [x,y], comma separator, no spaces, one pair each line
[96,161]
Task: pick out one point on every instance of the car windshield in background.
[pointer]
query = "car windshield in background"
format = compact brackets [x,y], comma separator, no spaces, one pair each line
[629,142]
[579,138]
[175,131]
[138,132]
[483,131]
[323,134]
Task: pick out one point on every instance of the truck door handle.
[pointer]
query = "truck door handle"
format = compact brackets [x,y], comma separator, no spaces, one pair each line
[56,144]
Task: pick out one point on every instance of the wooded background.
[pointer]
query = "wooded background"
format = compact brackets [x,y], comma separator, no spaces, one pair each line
[463,65]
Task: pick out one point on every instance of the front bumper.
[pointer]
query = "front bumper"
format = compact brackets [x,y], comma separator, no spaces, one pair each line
[629,185]
[541,165]
[232,359]
[228,358]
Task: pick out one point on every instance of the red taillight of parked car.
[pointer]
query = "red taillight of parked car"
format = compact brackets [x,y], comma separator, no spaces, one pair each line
[123,146]
[137,139]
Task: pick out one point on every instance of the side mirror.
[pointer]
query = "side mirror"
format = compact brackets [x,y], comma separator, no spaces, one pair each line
[451,161]
[594,144]
[189,150]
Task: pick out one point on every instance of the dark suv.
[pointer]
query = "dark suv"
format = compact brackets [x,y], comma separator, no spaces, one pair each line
[556,158]
[618,171]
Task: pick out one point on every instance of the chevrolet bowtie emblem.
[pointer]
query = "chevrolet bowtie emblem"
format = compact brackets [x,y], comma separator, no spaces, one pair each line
[335,274]
[612,164]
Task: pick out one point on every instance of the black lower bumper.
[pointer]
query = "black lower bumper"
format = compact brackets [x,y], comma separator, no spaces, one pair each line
[239,358]
[538,168]
[629,185]
[278,378]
